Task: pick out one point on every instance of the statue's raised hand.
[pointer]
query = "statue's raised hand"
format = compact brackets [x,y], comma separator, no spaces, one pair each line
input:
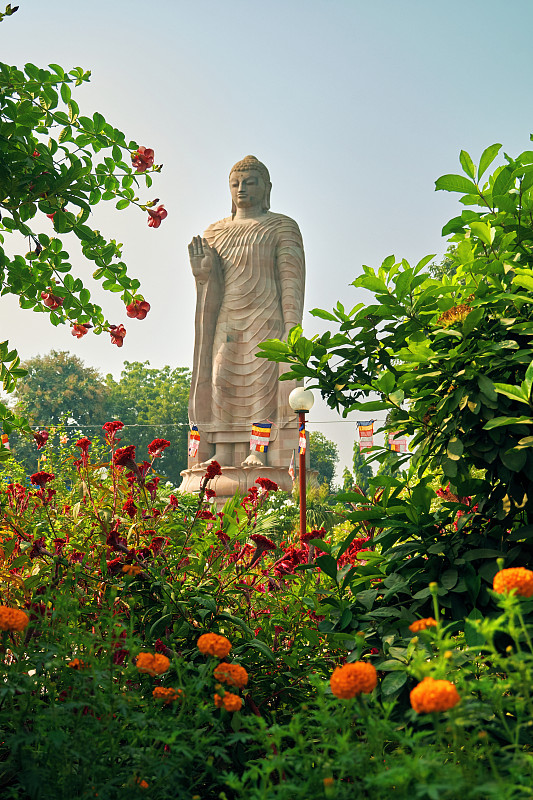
[203,258]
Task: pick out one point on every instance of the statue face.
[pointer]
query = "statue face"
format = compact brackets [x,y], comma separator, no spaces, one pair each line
[247,189]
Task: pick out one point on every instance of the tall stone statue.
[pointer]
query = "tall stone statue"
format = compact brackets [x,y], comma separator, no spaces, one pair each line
[250,274]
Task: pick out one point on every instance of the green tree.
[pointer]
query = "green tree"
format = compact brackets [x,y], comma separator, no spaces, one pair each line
[155,401]
[57,388]
[323,456]
[56,162]
[361,469]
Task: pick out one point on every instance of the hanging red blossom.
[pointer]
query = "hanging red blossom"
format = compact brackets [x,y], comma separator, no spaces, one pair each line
[156,447]
[142,159]
[79,329]
[50,300]
[138,309]
[155,216]
[117,333]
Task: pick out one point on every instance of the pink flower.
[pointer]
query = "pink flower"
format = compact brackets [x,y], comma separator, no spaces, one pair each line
[41,438]
[142,159]
[79,329]
[118,332]
[50,300]
[156,216]
[138,309]
[156,447]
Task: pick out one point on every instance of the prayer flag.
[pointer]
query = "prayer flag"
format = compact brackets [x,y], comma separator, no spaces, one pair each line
[291,471]
[5,441]
[260,436]
[301,440]
[194,441]
[398,445]
[366,434]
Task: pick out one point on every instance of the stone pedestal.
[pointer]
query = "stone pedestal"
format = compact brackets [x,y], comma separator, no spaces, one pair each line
[234,479]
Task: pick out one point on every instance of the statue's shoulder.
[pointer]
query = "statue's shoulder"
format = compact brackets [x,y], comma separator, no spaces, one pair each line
[218,226]
[283,223]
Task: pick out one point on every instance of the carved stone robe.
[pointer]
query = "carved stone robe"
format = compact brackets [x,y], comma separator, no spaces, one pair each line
[256,294]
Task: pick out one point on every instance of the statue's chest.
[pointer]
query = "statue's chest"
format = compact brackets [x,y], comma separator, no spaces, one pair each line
[239,247]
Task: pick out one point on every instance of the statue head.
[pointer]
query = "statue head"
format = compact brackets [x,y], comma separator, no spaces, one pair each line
[257,170]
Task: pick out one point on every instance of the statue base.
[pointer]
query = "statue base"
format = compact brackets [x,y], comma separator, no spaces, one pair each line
[234,479]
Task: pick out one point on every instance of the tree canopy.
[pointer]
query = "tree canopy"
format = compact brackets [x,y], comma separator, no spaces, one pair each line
[323,456]
[156,402]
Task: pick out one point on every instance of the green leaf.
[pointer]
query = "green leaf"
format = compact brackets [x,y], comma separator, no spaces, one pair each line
[393,682]
[455,183]
[328,565]
[483,231]
[467,164]
[487,157]
[512,392]
[523,280]
[122,204]
[514,459]
[455,448]
[487,387]
[500,422]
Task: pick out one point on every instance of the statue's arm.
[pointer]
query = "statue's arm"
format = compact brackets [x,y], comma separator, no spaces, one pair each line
[291,273]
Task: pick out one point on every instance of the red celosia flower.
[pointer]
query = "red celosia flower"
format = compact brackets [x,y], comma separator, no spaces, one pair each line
[124,455]
[41,438]
[129,507]
[173,501]
[156,545]
[319,533]
[156,216]
[41,478]
[84,443]
[51,300]
[79,329]
[210,493]
[110,429]
[267,485]
[156,447]
[117,333]
[205,514]
[262,544]
[138,309]
[142,159]
[213,469]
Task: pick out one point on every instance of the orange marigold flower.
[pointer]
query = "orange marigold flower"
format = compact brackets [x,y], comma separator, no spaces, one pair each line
[77,663]
[352,679]
[152,664]
[131,569]
[433,695]
[141,783]
[233,674]
[231,702]
[166,694]
[422,624]
[214,645]
[12,619]
[518,578]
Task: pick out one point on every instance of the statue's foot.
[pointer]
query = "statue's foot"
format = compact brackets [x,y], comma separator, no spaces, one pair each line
[252,461]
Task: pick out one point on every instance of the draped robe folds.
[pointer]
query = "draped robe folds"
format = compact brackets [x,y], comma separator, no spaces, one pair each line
[260,288]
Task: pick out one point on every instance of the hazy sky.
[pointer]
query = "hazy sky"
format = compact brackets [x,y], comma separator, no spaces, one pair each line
[355,107]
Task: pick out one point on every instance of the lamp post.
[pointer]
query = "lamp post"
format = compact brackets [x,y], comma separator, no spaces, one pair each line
[301,401]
